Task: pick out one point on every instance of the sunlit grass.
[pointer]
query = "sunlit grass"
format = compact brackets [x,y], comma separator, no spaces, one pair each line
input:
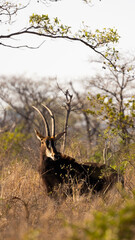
[27,213]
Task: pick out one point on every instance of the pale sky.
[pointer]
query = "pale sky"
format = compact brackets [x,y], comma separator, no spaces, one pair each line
[62,58]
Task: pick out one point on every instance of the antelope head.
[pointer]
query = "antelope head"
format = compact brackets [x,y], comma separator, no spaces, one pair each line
[48,149]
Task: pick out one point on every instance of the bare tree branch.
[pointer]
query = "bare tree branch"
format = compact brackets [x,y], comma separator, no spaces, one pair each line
[10,9]
[22,46]
[68,107]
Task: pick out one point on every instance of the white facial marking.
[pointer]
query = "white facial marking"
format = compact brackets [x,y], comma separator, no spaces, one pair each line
[49,154]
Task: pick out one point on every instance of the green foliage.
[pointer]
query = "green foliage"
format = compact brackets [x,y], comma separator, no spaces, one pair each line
[13,141]
[44,24]
[97,156]
[54,28]
[113,224]
[118,121]
[105,36]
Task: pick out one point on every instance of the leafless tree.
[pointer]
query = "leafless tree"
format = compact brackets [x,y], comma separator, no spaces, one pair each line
[69,107]
[92,125]
[9,10]
[20,94]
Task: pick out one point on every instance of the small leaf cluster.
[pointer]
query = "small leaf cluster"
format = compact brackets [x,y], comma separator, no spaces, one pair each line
[99,37]
[45,24]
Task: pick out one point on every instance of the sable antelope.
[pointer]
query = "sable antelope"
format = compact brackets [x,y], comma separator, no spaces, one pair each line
[57,169]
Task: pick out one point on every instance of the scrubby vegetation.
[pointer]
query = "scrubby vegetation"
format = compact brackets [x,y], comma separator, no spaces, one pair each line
[27,213]
[101,129]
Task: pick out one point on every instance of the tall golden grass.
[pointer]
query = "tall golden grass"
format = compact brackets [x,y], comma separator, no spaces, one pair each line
[27,213]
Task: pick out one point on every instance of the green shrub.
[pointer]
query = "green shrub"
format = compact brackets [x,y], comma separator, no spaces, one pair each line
[13,141]
[112,224]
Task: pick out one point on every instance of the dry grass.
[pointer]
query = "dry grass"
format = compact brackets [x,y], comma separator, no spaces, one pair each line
[27,213]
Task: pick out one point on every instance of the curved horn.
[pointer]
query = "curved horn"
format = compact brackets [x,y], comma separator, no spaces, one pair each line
[53,120]
[45,122]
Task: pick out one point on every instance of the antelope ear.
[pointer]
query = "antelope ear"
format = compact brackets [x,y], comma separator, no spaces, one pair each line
[39,136]
[58,136]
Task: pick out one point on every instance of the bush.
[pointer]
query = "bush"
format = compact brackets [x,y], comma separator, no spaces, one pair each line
[13,141]
[113,224]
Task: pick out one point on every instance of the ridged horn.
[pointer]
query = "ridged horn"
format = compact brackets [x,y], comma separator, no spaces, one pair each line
[53,119]
[45,122]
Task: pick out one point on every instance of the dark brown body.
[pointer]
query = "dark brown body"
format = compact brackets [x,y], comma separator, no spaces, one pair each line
[87,178]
